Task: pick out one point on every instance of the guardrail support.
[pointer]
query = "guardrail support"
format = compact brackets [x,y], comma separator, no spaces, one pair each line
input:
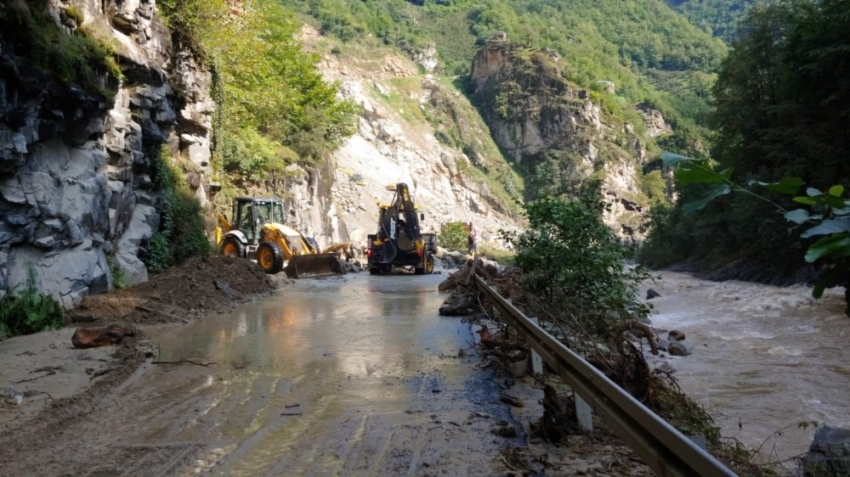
[663,448]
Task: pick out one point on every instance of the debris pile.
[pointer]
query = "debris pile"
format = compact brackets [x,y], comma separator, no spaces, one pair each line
[198,287]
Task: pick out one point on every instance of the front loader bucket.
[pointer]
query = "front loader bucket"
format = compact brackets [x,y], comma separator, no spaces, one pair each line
[319,264]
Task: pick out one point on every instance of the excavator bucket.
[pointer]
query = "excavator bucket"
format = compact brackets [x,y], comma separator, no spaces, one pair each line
[313,265]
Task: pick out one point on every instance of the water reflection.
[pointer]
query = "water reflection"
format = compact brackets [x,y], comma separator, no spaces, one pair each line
[370,326]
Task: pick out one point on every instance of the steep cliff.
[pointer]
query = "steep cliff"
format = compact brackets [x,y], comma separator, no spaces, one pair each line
[559,134]
[414,128]
[78,164]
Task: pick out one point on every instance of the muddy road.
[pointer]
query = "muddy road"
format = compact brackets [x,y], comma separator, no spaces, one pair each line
[351,376]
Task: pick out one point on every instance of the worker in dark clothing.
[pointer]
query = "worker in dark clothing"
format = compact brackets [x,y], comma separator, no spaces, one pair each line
[472,243]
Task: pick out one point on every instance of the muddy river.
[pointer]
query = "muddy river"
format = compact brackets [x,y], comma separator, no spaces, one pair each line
[332,377]
[765,358]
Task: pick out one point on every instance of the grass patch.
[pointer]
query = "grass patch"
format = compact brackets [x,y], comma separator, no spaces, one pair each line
[43,49]
[502,257]
[29,311]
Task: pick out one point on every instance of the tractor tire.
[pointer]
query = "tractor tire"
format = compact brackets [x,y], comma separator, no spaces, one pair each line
[232,247]
[429,264]
[270,257]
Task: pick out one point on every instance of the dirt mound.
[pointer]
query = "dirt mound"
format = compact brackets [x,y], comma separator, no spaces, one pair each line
[200,286]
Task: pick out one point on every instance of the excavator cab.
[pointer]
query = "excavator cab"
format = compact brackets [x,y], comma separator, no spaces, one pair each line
[257,231]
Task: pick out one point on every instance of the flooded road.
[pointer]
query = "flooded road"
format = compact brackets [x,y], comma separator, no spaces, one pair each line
[354,376]
[764,360]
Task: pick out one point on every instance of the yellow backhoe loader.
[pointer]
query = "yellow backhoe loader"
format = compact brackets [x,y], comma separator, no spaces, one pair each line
[257,232]
[399,242]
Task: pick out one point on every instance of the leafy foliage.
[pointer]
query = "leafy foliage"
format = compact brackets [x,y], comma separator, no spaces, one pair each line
[28,311]
[41,48]
[181,232]
[453,236]
[831,219]
[274,107]
[783,98]
[571,259]
[720,17]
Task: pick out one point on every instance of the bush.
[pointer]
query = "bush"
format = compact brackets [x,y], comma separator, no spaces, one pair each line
[571,259]
[181,233]
[29,311]
[453,236]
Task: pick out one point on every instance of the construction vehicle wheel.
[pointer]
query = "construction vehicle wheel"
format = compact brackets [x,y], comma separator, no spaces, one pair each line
[429,264]
[232,247]
[270,257]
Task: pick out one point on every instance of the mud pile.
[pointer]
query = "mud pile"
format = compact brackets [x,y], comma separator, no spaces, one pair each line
[200,286]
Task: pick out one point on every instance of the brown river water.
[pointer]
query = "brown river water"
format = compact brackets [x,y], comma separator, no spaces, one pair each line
[764,360]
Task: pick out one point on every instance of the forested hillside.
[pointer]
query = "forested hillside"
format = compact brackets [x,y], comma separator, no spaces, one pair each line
[718,17]
[782,105]
[650,53]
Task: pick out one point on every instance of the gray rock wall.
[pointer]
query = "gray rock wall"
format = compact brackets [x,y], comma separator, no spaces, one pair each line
[77,170]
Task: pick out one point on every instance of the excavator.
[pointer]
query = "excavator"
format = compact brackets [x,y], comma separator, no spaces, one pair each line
[257,231]
[399,241]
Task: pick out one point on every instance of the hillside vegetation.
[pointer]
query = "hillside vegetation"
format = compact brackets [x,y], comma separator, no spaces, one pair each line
[719,17]
[274,108]
[783,101]
[651,54]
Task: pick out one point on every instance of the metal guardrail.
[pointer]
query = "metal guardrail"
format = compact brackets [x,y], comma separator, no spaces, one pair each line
[663,448]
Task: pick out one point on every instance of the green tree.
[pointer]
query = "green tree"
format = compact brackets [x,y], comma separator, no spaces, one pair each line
[571,259]
[453,236]
[782,103]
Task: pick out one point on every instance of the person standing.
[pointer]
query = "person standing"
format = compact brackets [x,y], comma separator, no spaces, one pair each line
[472,243]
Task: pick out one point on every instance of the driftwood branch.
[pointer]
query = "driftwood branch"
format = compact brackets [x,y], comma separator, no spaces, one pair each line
[183,361]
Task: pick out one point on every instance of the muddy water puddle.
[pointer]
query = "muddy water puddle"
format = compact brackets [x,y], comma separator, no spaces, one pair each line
[765,358]
[354,376]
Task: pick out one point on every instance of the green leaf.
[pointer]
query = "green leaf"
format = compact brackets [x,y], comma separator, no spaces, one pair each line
[798,216]
[805,200]
[673,160]
[786,185]
[836,190]
[831,226]
[697,174]
[715,192]
[828,245]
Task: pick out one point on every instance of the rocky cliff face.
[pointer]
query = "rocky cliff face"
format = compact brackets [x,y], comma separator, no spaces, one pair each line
[77,170]
[395,142]
[559,134]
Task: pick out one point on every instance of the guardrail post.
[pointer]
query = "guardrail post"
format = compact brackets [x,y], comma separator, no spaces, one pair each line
[536,360]
[660,445]
[584,413]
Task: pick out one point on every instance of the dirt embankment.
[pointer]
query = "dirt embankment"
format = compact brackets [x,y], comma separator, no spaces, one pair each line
[58,382]
[199,287]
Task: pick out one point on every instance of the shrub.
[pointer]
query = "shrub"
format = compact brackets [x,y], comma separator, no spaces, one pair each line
[573,261]
[119,280]
[29,311]
[181,233]
[453,236]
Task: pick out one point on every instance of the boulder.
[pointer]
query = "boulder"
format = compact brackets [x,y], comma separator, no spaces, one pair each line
[650,294]
[675,335]
[68,276]
[112,333]
[460,305]
[679,348]
[829,453]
